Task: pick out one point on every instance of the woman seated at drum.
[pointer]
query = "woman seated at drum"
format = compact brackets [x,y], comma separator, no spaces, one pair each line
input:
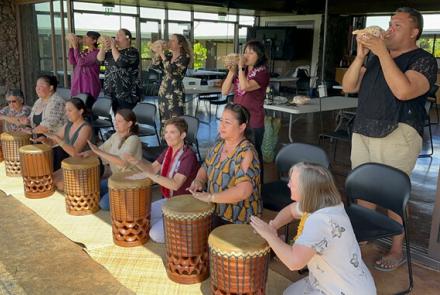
[325,241]
[47,115]
[15,110]
[173,170]
[124,141]
[231,171]
[72,137]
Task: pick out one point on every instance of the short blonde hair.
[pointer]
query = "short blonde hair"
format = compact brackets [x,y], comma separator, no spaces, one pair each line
[315,186]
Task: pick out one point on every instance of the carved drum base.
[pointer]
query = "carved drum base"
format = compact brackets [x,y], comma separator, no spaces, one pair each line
[188,270]
[13,168]
[131,234]
[37,187]
[82,205]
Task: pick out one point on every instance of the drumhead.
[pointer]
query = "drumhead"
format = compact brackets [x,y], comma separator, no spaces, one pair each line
[80,163]
[187,207]
[34,149]
[237,240]
[119,181]
[11,136]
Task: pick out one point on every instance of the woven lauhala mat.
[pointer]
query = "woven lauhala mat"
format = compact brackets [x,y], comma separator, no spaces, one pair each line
[94,231]
[142,270]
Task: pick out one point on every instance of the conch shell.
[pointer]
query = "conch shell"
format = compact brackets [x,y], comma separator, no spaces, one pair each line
[372,30]
[300,100]
[158,45]
[231,59]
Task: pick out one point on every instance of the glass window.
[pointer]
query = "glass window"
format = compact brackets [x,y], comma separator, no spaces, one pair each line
[246,20]
[381,21]
[215,16]
[153,13]
[216,39]
[179,15]
[430,43]
[42,7]
[105,24]
[44,42]
[179,28]
[149,33]
[242,37]
[110,8]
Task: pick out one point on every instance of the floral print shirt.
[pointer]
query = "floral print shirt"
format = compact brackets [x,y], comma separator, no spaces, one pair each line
[122,76]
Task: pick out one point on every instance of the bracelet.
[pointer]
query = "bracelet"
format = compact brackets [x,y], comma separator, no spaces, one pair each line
[211,198]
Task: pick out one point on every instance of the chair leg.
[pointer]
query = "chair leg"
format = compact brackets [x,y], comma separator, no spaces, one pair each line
[408,261]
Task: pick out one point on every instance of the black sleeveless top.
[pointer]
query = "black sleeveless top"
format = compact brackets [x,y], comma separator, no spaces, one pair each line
[379,111]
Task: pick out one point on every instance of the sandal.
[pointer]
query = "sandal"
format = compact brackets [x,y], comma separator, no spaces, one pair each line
[389,263]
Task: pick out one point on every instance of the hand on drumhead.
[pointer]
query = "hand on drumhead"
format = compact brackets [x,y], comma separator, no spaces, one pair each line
[40,139]
[93,147]
[202,196]
[85,154]
[265,230]
[130,158]
[196,186]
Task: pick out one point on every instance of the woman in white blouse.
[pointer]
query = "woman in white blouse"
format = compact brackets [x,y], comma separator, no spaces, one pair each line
[325,240]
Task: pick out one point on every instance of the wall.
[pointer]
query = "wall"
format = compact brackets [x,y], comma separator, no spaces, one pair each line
[9,57]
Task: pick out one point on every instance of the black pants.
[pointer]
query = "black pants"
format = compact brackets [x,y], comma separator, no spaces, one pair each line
[258,134]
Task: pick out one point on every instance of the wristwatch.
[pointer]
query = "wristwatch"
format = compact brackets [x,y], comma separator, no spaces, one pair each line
[243,69]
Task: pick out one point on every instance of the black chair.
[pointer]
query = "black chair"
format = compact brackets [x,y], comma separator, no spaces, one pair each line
[102,118]
[193,129]
[146,115]
[428,106]
[276,195]
[151,80]
[223,100]
[342,132]
[152,153]
[303,86]
[387,187]
[207,98]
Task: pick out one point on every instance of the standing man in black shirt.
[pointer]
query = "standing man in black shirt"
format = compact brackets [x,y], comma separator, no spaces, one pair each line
[392,85]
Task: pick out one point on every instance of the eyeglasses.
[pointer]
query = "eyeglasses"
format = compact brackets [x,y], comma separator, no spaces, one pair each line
[11,101]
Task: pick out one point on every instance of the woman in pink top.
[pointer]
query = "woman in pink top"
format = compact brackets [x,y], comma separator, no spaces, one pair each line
[249,81]
[85,78]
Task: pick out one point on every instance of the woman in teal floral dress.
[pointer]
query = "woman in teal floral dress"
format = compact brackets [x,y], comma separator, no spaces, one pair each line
[173,64]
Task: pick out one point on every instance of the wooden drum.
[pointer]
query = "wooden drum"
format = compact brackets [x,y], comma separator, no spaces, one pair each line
[37,170]
[130,207]
[81,185]
[239,260]
[187,223]
[11,142]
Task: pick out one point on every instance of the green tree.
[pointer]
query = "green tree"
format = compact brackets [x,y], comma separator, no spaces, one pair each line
[200,55]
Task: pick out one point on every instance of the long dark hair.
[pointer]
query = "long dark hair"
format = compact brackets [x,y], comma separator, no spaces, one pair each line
[127,34]
[186,46]
[79,104]
[128,116]
[51,80]
[242,115]
[259,49]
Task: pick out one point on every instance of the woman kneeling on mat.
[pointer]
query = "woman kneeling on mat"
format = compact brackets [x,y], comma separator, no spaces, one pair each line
[124,141]
[173,170]
[325,240]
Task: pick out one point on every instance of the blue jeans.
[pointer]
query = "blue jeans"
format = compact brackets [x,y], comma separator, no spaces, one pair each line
[104,203]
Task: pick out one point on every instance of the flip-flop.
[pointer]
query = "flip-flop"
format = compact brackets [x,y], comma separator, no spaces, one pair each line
[392,263]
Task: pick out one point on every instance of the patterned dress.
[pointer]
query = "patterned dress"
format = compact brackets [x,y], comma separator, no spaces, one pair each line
[171,92]
[226,174]
[121,81]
